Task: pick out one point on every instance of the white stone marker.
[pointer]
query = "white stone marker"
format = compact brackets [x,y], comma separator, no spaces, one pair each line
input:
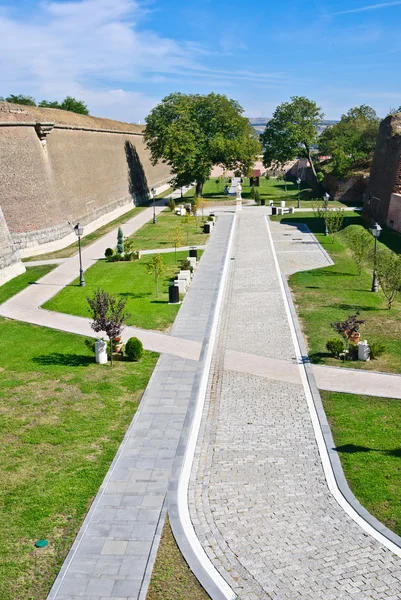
[363,350]
[101,352]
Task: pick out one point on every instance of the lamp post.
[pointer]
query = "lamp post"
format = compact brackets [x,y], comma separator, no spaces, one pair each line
[79,232]
[153,192]
[376,229]
[299,192]
[326,206]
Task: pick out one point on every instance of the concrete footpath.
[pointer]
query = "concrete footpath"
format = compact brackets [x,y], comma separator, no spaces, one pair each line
[263,499]
[113,554]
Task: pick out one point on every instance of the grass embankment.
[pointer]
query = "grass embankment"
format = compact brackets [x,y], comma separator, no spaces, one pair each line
[366,432]
[156,236]
[269,189]
[172,579]
[331,294]
[32,274]
[90,238]
[131,281]
[62,420]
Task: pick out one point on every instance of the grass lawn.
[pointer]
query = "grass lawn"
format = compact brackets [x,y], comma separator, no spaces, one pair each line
[130,280]
[172,579]
[270,189]
[90,238]
[367,434]
[17,284]
[62,420]
[152,236]
[332,293]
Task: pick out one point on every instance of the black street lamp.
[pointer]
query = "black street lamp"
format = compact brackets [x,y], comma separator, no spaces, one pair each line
[79,230]
[376,230]
[153,192]
[326,206]
[299,192]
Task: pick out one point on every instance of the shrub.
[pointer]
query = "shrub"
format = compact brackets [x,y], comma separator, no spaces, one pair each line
[257,197]
[335,347]
[108,252]
[116,257]
[90,344]
[120,241]
[171,204]
[210,218]
[376,350]
[134,349]
[253,191]
[185,265]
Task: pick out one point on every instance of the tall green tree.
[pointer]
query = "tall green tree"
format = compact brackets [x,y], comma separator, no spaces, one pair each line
[74,105]
[191,133]
[352,139]
[21,99]
[291,132]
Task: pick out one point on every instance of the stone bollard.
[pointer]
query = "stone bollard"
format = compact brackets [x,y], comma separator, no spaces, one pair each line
[101,352]
[363,350]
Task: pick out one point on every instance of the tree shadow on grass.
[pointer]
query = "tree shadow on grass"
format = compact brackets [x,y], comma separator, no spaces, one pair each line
[159,301]
[318,358]
[64,360]
[133,296]
[354,307]
[354,448]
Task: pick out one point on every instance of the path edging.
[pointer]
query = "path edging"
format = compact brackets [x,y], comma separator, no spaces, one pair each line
[177,495]
[333,470]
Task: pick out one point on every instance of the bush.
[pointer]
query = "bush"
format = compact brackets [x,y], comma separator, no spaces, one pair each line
[116,257]
[90,344]
[253,191]
[376,350]
[108,252]
[335,347]
[257,197]
[120,241]
[185,265]
[134,349]
[171,204]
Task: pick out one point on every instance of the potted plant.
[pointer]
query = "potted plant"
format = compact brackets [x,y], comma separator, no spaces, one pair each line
[349,329]
[117,344]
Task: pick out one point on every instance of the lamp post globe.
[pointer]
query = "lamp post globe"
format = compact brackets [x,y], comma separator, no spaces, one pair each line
[299,192]
[79,230]
[375,231]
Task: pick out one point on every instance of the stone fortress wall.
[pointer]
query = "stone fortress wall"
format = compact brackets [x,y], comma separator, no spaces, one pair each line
[383,197]
[58,167]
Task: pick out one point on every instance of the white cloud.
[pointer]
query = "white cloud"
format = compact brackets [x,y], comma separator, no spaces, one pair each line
[366,8]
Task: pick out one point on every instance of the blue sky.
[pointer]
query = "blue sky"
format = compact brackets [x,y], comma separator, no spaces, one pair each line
[123,56]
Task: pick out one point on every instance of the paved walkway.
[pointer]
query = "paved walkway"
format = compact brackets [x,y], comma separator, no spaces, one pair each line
[113,554]
[259,500]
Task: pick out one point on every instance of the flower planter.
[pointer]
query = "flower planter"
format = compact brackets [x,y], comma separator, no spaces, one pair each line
[355,337]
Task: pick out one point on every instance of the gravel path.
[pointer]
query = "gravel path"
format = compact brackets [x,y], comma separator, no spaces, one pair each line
[258,495]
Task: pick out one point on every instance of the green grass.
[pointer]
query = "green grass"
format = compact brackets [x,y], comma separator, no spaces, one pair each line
[90,238]
[152,236]
[172,579]
[330,294]
[127,279]
[62,420]
[367,435]
[269,189]
[32,274]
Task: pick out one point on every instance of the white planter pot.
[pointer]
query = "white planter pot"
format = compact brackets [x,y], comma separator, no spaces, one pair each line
[101,352]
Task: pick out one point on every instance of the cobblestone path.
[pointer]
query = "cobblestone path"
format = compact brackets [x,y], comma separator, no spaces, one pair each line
[258,496]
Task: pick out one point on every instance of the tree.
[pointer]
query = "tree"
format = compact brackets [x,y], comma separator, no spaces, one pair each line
[389,274]
[334,220]
[156,267]
[360,243]
[191,133]
[108,314]
[186,222]
[394,111]
[21,99]
[74,105]
[196,204]
[348,328]
[291,132]
[352,139]
[49,104]
[175,237]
